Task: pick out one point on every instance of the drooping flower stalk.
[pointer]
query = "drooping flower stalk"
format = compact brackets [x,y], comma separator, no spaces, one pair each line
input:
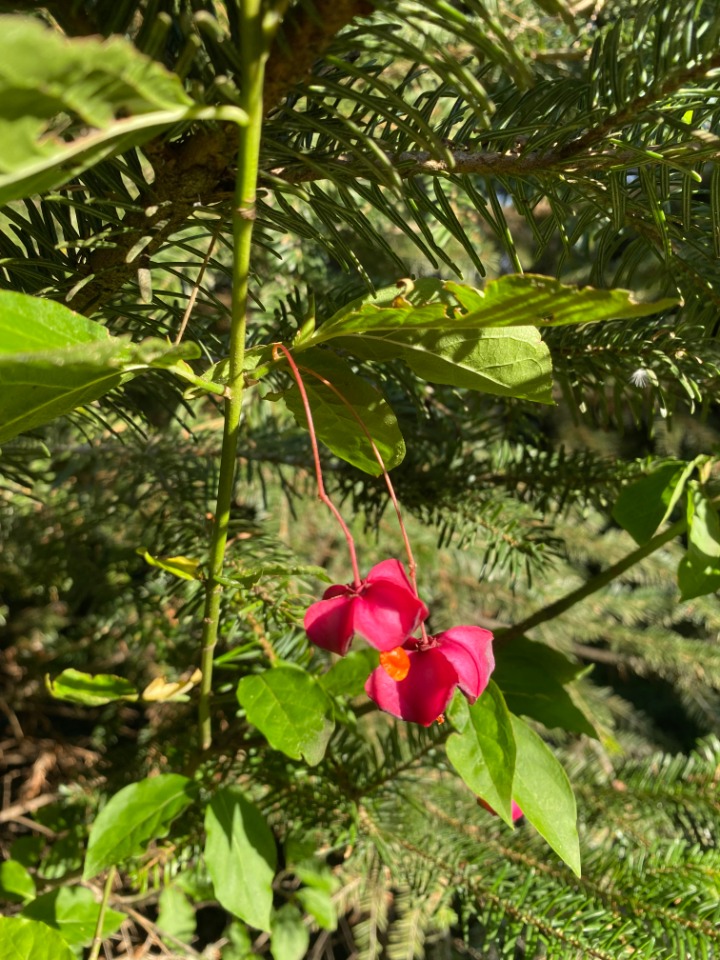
[412,566]
[322,493]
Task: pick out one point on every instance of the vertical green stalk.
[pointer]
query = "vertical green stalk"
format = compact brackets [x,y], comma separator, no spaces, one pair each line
[98,937]
[253,50]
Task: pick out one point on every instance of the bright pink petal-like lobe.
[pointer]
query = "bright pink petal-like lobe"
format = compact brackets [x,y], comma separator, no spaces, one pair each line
[424,693]
[469,650]
[391,570]
[516,811]
[386,614]
[329,623]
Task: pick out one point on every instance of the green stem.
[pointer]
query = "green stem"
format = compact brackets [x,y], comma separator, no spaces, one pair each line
[253,52]
[98,938]
[593,585]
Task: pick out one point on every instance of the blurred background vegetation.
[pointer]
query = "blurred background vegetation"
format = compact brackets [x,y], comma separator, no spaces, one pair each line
[508,503]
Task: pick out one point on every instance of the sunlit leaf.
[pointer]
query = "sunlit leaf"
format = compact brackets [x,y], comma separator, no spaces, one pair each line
[350,418]
[23,939]
[240,855]
[543,792]
[53,361]
[133,816]
[483,751]
[91,689]
[66,104]
[290,709]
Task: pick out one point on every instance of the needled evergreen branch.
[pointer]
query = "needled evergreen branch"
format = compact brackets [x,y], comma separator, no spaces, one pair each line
[195,168]
[591,586]
[414,163]
[254,56]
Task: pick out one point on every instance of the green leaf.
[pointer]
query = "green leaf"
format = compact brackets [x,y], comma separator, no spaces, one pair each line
[73,912]
[239,942]
[643,505]
[92,690]
[53,361]
[697,576]
[138,813]
[519,299]
[483,753]
[240,855]
[319,904]
[542,790]
[336,417]
[290,709]
[515,300]
[183,567]
[532,677]
[22,939]
[16,884]
[347,676]
[176,915]
[699,569]
[703,523]
[505,363]
[67,104]
[458,711]
[289,937]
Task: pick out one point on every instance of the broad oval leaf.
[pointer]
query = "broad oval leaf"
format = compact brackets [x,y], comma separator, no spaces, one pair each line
[320,905]
[483,752]
[699,569]
[290,709]
[543,792]
[138,813]
[52,361]
[504,362]
[91,689]
[176,915]
[16,883]
[73,912]
[289,937]
[517,299]
[90,99]
[240,855]
[22,939]
[347,676]
[532,677]
[646,503]
[344,416]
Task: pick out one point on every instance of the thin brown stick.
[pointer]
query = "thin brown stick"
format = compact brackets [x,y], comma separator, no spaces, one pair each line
[29,806]
[193,295]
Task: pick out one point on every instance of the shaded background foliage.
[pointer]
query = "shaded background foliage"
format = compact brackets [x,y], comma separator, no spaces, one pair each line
[400,138]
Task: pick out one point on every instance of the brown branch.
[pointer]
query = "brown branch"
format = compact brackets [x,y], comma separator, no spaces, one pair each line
[28,806]
[632,112]
[192,170]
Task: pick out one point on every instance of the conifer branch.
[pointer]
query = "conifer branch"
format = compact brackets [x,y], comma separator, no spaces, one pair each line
[591,586]
[195,168]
